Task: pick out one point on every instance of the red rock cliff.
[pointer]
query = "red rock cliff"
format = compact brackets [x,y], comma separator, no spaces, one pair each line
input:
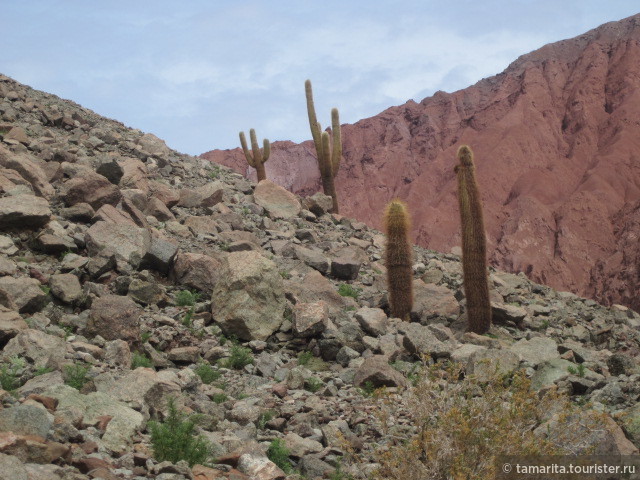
[557,144]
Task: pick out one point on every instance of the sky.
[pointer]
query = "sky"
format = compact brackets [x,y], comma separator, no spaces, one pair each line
[197,72]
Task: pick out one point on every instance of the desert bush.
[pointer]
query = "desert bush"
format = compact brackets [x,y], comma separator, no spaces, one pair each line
[465,423]
[175,439]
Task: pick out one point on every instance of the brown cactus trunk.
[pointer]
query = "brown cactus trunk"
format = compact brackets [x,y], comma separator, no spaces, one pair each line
[398,260]
[474,245]
[329,187]
[261,171]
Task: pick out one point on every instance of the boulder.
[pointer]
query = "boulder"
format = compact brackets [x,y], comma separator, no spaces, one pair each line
[372,320]
[379,373]
[91,188]
[277,201]
[248,299]
[433,303]
[196,270]
[124,424]
[24,211]
[310,319]
[66,287]
[26,293]
[115,317]
[40,348]
[129,243]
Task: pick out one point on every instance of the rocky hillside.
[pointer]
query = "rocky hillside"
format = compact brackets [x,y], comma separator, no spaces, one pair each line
[132,275]
[556,136]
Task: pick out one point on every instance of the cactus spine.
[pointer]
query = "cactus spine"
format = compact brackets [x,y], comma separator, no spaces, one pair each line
[259,157]
[398,259]
[474,244]
[329,150]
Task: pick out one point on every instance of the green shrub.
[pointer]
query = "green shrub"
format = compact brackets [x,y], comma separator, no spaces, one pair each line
[76,375]
[313,384]
[175,439]
[239,358]
[186,321]
[140,360]
[219,398]
[145,336]
[347,290]
[42,370]
[278,453]
[207,373]
[264,418]
[304,358]
[9,374]
[186,298]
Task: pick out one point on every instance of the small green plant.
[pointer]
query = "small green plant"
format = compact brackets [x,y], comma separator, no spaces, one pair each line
[304,358]
[175,439]
[76,375]
[65,253]
[207,373]
[68,330]
[187,298]
[46,289]
[338,474]
[240,357]
[145,336]
[572,370]
[347,290]
[42,371]
[9,374]
[219,397]
[545,324]
[224,246]
[215,172]
[285,275]
[313,384]
[368,389]
[278,453]
[264,418]
[140,360]
[580,370]
[187,320]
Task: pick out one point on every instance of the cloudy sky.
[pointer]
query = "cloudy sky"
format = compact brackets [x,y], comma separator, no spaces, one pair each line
[196,72]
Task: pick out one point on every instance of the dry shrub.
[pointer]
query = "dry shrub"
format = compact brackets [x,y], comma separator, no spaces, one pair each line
[464,424]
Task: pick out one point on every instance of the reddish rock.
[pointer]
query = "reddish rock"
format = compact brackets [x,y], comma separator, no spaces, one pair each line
[90,188]
[556,142]
[114,317]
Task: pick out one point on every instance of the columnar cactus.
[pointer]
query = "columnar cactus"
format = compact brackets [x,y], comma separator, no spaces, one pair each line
[474,245]
[329,150]
[259,157]
[398,259]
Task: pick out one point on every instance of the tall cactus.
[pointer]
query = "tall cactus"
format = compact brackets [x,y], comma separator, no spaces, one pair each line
[474,244]
[329,150]
[398,259]
[259,157]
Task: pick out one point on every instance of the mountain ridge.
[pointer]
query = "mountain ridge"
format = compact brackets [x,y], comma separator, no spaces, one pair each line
[553,134]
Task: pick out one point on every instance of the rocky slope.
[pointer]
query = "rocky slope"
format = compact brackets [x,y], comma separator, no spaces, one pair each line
[116,253]
[556,137]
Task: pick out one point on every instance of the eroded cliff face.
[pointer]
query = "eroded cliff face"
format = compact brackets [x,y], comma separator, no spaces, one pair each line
[557,143]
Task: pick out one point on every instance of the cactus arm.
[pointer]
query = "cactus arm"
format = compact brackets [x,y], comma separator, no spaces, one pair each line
[316,128]
[336,154]
[245,149]
[266,150]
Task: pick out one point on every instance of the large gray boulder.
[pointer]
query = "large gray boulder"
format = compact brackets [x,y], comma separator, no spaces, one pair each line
[128,242]
[248,300]
[24,211]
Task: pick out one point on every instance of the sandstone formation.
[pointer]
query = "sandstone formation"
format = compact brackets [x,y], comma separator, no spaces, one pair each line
[556,142]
